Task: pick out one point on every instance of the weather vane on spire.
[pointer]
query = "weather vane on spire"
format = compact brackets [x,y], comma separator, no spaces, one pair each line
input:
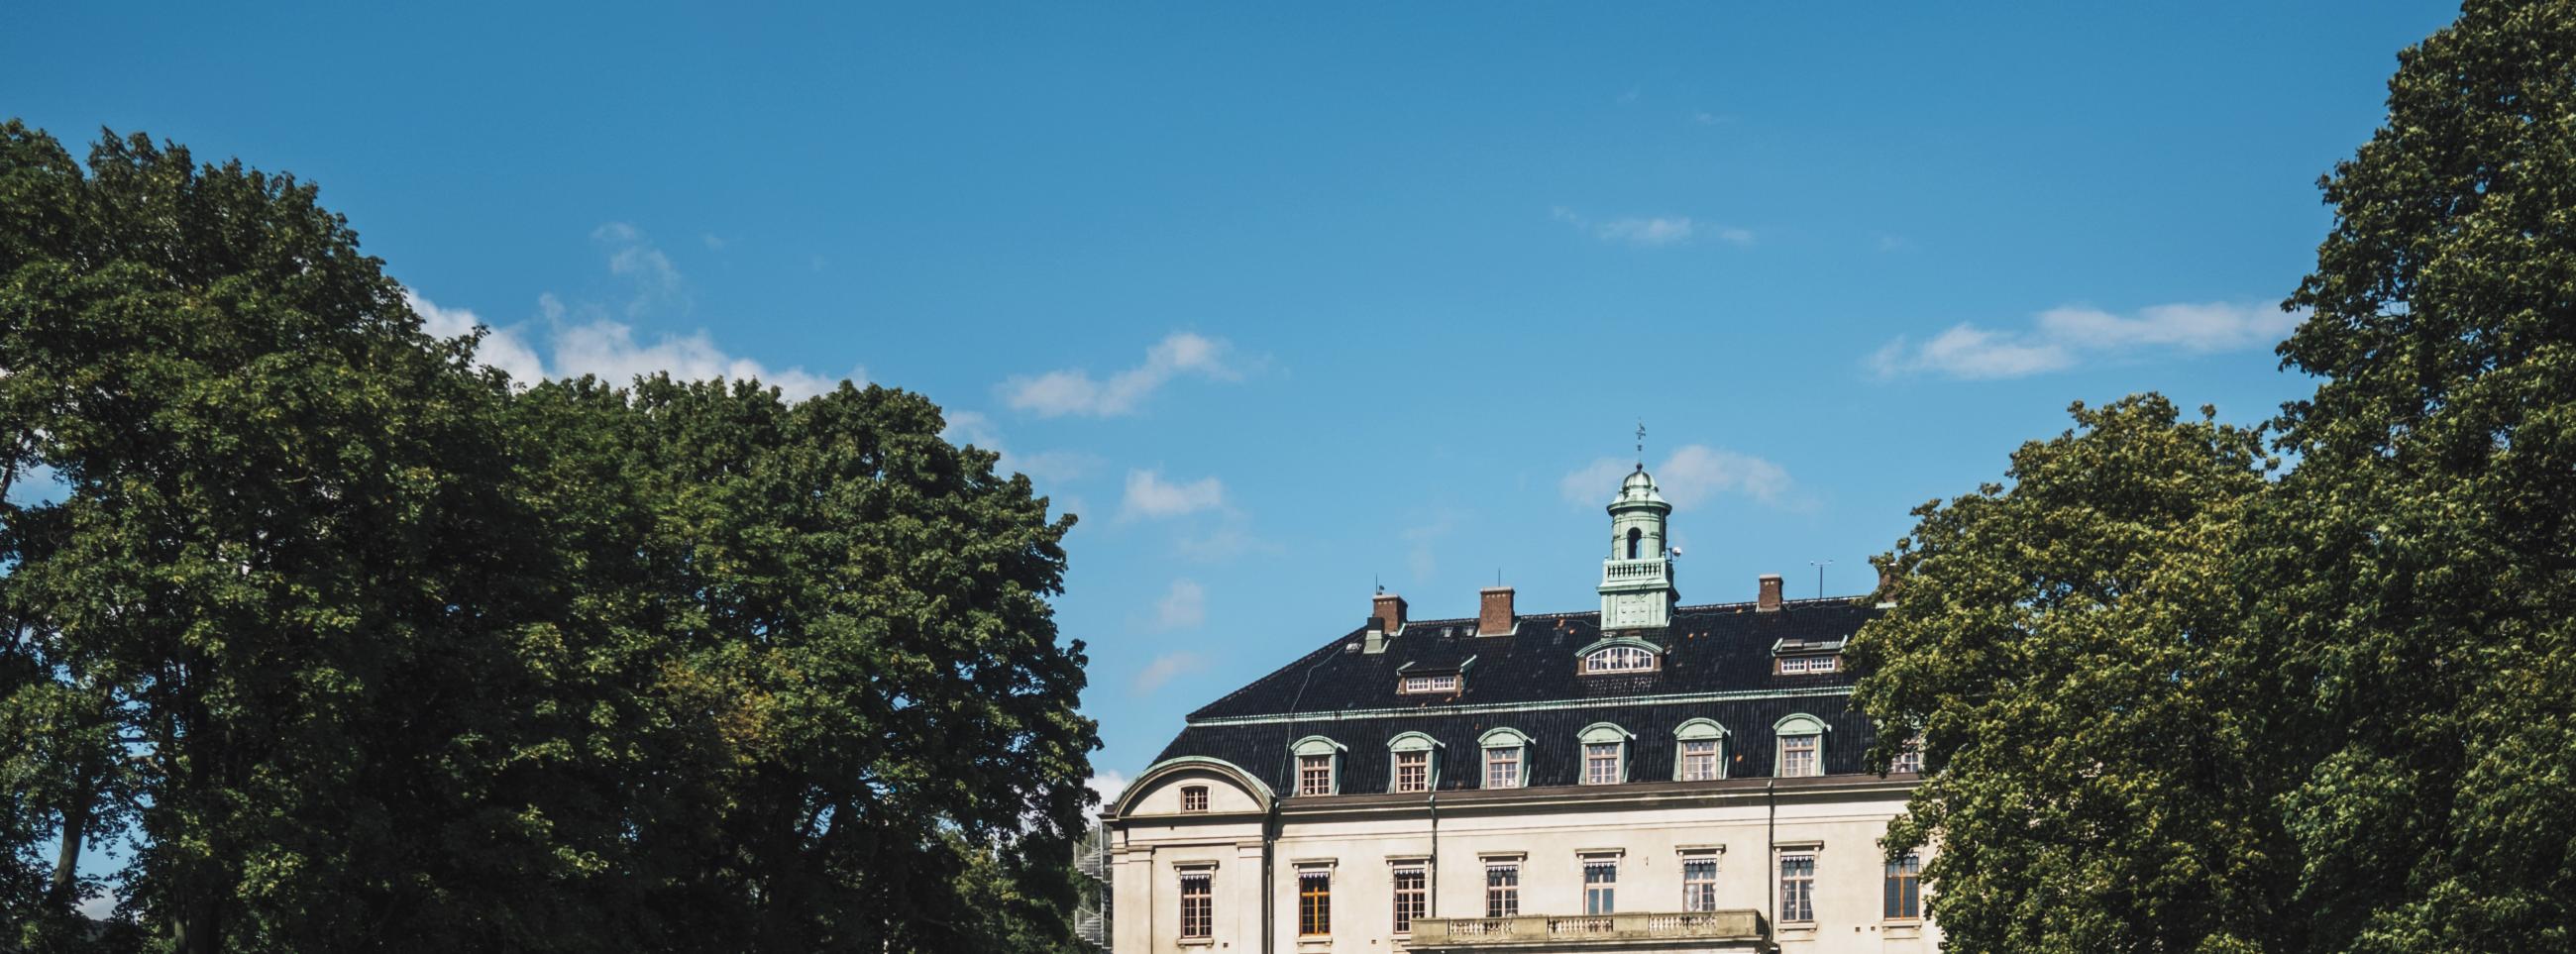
[1641,444]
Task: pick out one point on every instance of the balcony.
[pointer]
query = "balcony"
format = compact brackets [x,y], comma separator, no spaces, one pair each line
[1648,572]
[1642,931]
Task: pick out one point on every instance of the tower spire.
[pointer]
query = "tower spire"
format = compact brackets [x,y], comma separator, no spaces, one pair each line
[1641,443]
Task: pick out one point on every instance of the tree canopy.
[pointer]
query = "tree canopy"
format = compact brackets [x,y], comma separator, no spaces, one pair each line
[2170,704]
[358,645]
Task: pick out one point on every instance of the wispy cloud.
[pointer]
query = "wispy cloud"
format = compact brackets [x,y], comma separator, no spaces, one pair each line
[1421,543]
[1649,231]
[1107,785]
[1153,498]
[1075,391]
[1182,607]
[2062,338]
[571,340]
[1165,668]
[1690,475]
[974,427]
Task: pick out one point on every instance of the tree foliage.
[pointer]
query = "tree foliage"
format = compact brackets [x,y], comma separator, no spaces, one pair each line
[2170,705]
[359,646]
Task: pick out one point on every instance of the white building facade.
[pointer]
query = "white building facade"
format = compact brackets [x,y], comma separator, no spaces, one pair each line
[1652,777]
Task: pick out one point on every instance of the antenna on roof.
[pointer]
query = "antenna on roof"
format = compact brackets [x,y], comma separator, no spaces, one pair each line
[1380,584]
[1820,576]
[1641,444]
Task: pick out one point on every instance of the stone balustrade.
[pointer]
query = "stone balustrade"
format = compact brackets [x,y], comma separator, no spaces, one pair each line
[1573,932]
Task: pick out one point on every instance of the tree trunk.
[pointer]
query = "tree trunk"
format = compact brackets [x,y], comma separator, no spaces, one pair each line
[76,811]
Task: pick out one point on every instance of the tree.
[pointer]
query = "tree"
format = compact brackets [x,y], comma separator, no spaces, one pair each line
[2070,651]
[367,648]
[2423,556]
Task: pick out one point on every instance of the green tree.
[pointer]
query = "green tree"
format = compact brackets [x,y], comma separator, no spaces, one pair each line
[2070,650]
[2423,555]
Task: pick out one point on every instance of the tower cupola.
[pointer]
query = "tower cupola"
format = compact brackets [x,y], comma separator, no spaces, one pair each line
[1637,578]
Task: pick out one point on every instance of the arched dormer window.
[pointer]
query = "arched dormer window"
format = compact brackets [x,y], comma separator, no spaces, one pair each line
[1605,754]
[1636,543]
[1319,764]
[1699,751]
[1413,763]
[1621,654]
[1506,758]
[1801,746]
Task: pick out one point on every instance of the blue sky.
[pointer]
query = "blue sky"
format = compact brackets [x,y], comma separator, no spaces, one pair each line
[1283,299]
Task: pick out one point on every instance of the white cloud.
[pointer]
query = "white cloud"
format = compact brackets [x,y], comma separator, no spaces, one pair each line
[634,257]
[1421,556]
[1227,541]
[1165,668]
[1075,391]
[2061,338]
[1184,606]
[1152,497]
[1649,231]
[1107,785]
[1691,474]
[99,907]
[503,348]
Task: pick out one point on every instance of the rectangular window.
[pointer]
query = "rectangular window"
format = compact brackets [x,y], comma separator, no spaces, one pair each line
[1699,760]
[1503,768]
[1600,885]
[1797,887]
[1198,904]
[1502,889]
[1600,763]
[1798,756]
[1905,888]
[1793,666]
[1809,665]
[1411,894]
[1194,798]
[1413,771]
[1416,685]
[1824,664]
[1314,903]
[1906,761]
[1699,883]
[1314,775]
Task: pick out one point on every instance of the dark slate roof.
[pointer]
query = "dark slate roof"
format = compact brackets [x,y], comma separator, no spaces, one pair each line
[1351,697]
[1721,648]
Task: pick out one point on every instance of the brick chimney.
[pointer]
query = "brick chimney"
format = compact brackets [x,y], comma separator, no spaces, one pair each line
[1388,608]
[1770,602]
[1886,592]
[1494,615]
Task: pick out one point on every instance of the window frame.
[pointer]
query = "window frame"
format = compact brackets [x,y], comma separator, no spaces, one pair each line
[1419,895]
[1699,895]
[1205,878]
[1194,799]
[1405,685]
[1600,896]
[1409,744]
[1314,901]
[1821,664]
[1797,889]
[1901,892]
[1502,900]
[1618,655]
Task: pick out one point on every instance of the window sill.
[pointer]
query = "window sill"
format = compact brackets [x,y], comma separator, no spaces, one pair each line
[1903,929]
[1197,942]
[1798,931]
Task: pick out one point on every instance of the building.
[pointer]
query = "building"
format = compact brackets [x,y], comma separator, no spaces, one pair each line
[1647,777]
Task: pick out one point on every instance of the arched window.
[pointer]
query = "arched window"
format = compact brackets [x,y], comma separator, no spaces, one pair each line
[1605,754]
[1621,654]
[1801,739]
[1412,763]
[1699,751]
[1636,542]
[1506,758]
[1318,766]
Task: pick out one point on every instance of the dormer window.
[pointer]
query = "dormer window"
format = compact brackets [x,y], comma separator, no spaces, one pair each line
[1699,751]
[1605,754]
[1809,665]
[1801,741]
[1621,654]
[1411,761]
[1506,758]
[1430,684]
[1318,765]
[1194,798]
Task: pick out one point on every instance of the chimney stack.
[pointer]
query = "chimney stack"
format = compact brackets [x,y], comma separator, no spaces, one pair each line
[1389,610]
[1494,615]
[1770,594]
[1886,591]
